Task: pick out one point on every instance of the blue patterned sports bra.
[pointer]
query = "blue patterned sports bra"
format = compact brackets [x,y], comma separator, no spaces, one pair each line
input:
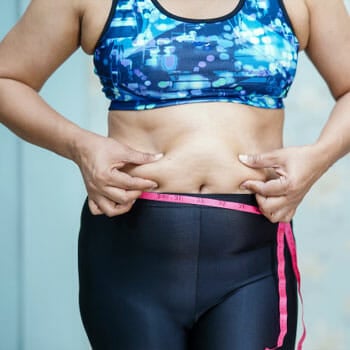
[147,57]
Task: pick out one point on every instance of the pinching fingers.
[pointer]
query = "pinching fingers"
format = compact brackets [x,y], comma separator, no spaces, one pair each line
[270,188]
[123,180]
[263,160]
[276,209]
[94,208]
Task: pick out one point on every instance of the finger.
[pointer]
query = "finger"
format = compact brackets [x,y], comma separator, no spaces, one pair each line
[136,157]
[110,208]
[269,205]
[273,216]
[94,209]
[128,182]
[282,216]
[276,209]
[120,196]
[262,160]
[271,188]
[288,216]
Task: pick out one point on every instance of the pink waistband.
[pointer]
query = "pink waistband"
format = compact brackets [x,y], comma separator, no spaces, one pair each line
[284,232]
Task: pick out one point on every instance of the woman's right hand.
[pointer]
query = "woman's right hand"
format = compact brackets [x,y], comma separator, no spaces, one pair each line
[111,191]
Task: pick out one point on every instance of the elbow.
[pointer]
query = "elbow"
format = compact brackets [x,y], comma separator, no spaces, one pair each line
[340,96]
[339,92]
[4,80]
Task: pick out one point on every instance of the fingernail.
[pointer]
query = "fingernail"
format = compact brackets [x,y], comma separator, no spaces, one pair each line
[158,156]
[243,158]
[242,186]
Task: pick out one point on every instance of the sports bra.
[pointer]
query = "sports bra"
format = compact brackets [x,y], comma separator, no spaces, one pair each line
[147,57]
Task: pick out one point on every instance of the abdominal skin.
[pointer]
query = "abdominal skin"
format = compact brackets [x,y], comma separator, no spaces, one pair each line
[200,143]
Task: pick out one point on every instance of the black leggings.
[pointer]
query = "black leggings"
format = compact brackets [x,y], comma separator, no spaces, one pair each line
[168,276]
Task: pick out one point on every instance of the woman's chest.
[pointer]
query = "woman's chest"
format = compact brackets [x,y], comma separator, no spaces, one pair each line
[97,13]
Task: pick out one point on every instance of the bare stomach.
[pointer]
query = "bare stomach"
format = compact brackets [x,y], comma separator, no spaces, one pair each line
[200,142]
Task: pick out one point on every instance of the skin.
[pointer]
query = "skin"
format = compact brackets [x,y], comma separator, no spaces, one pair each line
[201,147]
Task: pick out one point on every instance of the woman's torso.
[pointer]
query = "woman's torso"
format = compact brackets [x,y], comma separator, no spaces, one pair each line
[200,141]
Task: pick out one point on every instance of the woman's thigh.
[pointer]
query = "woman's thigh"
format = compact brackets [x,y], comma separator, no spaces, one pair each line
[162,274]
[137,277]
[248,318]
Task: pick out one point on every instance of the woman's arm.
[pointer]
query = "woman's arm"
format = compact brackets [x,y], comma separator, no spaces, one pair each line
[47,34]
[299,168]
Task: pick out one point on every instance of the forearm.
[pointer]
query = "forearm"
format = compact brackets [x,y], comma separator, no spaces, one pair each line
[334,141]
[24,112]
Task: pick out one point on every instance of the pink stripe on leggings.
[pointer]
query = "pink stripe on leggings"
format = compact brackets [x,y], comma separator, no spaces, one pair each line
[284,232]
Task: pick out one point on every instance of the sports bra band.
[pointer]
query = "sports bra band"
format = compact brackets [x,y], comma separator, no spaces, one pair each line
[148,57]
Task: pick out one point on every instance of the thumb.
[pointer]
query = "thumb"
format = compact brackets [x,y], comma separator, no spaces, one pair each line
[136,157]
[262,160]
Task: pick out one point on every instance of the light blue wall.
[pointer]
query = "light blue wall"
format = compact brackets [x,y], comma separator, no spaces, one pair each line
[41,196]
[322,222]
[10,239]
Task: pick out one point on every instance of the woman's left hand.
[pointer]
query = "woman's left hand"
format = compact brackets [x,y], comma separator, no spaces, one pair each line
[296,169]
